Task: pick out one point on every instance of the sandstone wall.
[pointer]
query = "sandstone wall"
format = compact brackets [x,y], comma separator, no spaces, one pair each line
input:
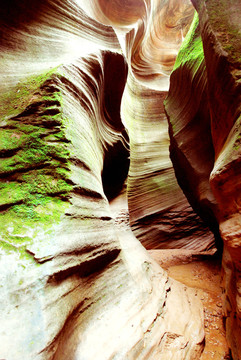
[204,119]
[73,284]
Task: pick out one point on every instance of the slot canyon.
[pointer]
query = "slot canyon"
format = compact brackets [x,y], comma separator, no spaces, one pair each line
[120,180]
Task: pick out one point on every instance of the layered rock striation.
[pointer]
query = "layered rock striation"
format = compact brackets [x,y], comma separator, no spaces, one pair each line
[168,221]
[61,255]
[71,277]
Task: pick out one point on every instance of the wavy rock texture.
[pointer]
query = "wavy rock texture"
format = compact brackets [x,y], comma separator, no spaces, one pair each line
[167,221]
[213,74]
[36,36]
[150,33]
[62,256]
[151,48]
[189,120]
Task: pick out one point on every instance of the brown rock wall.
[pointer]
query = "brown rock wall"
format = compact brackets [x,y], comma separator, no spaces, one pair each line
[219,71]
[221,42]
[191,148]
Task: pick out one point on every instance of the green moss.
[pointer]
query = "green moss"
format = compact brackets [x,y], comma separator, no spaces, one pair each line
[56,96]
[22,224]
[59,136]
[35,174]
[13,192]
[12,102]
[30,185]
[34,150]
[10,140]
[25,128]
[24,160]
[40,207]
[46,184]
[192,46]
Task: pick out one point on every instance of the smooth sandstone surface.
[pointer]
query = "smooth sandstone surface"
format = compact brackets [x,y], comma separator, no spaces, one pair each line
[168,221]
[74,284]
[59,278]
[71,275]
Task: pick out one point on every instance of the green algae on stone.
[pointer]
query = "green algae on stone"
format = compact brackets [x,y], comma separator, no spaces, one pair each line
[191,49]
[11,140]
[22,224]
[13,192]
[17,98]
[190,56]
[55,96]
[34,168]
[32,147]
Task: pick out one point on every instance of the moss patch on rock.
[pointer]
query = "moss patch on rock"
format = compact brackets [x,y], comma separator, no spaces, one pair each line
[22,94]
[192,46]
[34,169]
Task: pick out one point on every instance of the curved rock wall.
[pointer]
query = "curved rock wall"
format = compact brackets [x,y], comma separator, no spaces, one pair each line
[36,36]
[61,256]
[160,215]
[52,204]
[73,285]
[191,147]
[205,136]
[225,121]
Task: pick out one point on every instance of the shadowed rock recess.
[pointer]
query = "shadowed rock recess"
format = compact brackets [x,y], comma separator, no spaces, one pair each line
[204,125]
[82,118]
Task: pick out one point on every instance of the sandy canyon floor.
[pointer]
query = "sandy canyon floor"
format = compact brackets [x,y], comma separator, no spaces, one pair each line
[200,271]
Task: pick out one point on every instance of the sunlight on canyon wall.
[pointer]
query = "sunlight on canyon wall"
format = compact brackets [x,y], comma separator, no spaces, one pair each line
[82,285]
[81,117]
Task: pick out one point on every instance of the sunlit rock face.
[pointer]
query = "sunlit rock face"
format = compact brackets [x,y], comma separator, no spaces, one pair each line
[153,46]
[150,33]
[62,258]
[36,36]
[73,284]
[160,215]
[52,204]
[211,110]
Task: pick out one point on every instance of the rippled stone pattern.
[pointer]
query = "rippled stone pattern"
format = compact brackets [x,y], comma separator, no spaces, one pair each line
[62,257]
[150,33]
[73,284]
[160,215]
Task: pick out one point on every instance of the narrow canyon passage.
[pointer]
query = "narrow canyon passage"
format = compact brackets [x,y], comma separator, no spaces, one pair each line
[120,180]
